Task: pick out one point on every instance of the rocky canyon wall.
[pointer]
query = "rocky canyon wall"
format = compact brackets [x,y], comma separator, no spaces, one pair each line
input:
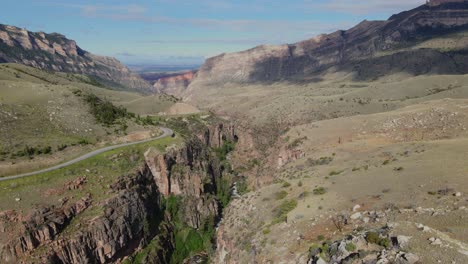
[134,215]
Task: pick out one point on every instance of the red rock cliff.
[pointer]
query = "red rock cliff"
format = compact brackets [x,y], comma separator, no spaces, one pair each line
[174,85]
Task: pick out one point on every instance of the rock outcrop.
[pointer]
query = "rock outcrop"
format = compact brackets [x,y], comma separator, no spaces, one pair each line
[193,174]
[174,84]
[215,136]
[41,227]
[365,247]
[55,52]
[108,237]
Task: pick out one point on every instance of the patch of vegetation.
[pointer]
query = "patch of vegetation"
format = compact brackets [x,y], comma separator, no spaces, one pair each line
[286,184]
[351,247]
[104,111]
[62,147]
[281,212]
[318,162]
[242,186]
[188,241]
[33,151]
[223,192]
[319,191]
[281,195]
[297,142]
[334,173]
[224,150]
[374,238]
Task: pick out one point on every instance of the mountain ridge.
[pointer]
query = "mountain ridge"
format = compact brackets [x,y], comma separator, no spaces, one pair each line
[55,52]
[378,43]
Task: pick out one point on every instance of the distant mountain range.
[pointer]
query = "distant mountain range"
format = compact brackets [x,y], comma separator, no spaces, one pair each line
[55,52]
[430,39]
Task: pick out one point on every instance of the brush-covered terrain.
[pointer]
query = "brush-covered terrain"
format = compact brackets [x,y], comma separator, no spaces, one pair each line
[48,117]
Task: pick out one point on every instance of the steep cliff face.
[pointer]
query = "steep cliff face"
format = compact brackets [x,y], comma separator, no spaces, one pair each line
[192,173]
[175,84]
[138,212]
[57,53]
[217,135]
[117,232]
[347,50]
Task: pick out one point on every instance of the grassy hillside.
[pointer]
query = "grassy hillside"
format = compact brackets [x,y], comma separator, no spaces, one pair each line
[47,116]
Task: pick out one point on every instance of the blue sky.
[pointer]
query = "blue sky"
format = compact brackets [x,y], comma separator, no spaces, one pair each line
[185,32]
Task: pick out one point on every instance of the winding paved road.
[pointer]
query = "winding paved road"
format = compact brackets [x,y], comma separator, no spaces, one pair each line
[166,133]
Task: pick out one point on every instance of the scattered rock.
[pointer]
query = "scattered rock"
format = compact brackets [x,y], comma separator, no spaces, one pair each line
[356,216]
[403,241]
[356,207]
[423,228]
[406,258]
[435,241]
[363,251]
[318,261]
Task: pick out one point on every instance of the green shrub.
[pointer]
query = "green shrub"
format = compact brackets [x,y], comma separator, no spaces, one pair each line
[320,237]
[47,150]
[266,231]
[62,147]
[286,184]
[384,242]
[281,195]
[334,173]
[373,237]
[242,186]
[223,192]
[224,150]
[297,142]
[281,212]
[318,162]
[350,247]
[83,141]
[386,162]
[319,191]
[104,111]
